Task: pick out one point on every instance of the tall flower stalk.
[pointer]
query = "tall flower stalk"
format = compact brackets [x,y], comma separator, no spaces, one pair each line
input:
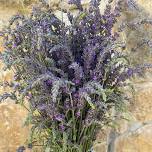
[71,75]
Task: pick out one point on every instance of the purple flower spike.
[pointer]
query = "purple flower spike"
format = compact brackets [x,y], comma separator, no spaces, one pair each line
[94,77]
[14,45]
[67,105]
[130,72]
[48,82]
[78,114]
[59,117]
[61,127]
[77,81]
[42,107]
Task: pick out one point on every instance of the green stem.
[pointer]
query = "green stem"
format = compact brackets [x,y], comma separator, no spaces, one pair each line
[81,133]
[73,118]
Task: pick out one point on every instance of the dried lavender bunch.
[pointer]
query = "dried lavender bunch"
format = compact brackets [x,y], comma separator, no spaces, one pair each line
[72,75]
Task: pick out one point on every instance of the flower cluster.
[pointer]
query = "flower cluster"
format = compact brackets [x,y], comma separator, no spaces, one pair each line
[71,75]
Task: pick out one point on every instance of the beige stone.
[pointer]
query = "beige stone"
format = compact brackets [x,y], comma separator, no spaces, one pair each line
[12,132]
[146,4]
[136,135]
[141,141]
[142,108]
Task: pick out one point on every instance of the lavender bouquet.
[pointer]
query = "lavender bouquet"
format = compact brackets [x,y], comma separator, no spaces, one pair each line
[72,75]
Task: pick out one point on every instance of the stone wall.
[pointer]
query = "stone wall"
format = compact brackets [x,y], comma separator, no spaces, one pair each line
[132,136]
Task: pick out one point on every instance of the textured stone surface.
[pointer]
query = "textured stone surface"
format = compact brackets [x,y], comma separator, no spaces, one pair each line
[147,4]
[142,108]
[138,133]
[12,132]
[139,141]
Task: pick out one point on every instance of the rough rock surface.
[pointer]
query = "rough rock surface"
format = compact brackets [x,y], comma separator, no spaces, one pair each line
[12,132]
[138,133]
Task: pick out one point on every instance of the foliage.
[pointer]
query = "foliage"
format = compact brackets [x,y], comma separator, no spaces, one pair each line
[72,75]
